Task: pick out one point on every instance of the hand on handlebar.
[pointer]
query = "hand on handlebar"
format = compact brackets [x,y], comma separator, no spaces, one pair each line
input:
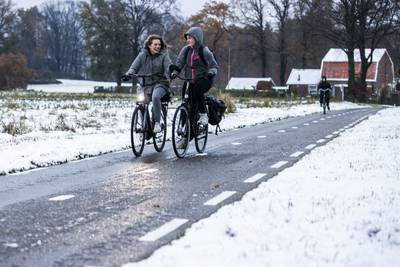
[173,71]
[126,77]
[173,75]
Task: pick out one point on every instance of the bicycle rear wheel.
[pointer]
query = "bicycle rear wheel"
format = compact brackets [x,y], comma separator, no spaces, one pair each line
[137,131]
[159,138]
[200,140]
[324,107]
[180,131]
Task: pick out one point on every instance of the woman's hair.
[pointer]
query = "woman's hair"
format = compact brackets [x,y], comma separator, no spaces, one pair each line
[153,37]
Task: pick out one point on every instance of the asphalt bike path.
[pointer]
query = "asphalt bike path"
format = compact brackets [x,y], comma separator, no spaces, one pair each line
[115,208]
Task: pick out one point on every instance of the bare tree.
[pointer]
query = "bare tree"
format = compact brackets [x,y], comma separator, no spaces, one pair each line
[338,24]
[253,15]
[376,20]
[7,19]
[62,35]
[281,14]
[106,35]
[144,17]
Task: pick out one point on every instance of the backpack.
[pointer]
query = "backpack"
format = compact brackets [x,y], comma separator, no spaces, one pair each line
[201,54]
[216,110]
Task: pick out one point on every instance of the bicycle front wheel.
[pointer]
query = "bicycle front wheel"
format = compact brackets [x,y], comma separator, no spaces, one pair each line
[137,131]
[180,131]
[159,138]
[200,140]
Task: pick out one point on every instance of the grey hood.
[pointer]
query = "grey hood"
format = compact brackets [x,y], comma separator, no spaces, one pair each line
[196,33]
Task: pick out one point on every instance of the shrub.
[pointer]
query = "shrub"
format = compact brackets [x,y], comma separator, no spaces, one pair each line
[229,102]
[15,128]
[14,72]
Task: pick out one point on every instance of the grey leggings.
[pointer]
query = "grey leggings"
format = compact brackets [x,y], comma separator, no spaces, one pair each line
[158,93]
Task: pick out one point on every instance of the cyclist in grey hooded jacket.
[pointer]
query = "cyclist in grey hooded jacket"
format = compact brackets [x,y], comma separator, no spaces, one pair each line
[153,59]
[195,68]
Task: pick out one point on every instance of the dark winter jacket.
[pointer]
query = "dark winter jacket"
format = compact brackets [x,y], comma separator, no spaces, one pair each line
[324,85]
[193,65]
[146,63]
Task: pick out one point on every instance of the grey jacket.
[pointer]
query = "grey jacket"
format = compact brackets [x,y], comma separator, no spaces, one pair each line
[145,63]
[193,65]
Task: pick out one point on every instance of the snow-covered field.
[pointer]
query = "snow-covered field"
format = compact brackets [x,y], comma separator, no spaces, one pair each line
[38,133]
[70,86]
[337,206]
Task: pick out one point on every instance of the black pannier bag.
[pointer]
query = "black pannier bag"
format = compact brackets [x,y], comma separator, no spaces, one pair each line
[216,110]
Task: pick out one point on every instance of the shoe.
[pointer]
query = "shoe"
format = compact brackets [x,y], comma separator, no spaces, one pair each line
[203,119]
[157,127]
[181,143]
[329,108]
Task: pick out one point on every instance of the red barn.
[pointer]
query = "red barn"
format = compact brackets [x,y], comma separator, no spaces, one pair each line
[380,73]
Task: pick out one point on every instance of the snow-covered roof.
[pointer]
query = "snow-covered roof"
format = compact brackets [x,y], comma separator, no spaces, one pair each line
[338,55]
[304,76]
[246,83]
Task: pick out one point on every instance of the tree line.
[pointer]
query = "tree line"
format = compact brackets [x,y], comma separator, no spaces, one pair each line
[98,39]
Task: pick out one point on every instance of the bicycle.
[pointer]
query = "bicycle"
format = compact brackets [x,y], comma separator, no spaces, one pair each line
[185,125]
[142,123]
[324,102]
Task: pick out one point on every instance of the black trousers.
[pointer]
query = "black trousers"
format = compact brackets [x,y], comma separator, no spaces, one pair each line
[327,95]
[198,89]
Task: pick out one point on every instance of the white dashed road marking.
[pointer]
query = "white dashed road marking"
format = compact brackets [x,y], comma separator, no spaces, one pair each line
[148,171]
[306,124]
[219,198]
[255,178]
[278,164]
[282,131]
[61,198]
[261,136]
[311,146]
[295,127]
[296,154]
[315,121]
[11,245]
[329,136]
[321,141]
[163,230]
[236,143]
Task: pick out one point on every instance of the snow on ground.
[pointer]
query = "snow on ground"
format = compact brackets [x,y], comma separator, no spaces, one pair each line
[70,86]
[58,131]
[335,207]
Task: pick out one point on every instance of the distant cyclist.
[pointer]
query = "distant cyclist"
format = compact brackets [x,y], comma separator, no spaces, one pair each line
[324,88]
[153,59]
[200,65]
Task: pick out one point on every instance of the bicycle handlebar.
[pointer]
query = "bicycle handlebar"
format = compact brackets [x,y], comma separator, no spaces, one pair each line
[147,75]
[184,78]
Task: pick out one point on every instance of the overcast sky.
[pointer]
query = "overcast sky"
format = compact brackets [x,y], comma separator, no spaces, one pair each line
[188,7]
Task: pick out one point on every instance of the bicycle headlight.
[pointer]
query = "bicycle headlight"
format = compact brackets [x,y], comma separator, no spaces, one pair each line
[140,93]
[140,97]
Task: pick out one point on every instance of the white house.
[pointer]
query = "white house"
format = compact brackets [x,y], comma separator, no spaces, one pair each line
[247,83]
[304,81]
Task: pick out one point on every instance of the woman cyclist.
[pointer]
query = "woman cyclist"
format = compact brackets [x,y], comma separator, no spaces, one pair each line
[200,65]
[153,59]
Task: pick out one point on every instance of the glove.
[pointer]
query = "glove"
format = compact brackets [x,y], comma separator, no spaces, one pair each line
[210,77]
[173,71]
[126,77]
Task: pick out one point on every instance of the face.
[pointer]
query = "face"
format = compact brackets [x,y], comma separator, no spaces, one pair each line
[190,40]
[155,46]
